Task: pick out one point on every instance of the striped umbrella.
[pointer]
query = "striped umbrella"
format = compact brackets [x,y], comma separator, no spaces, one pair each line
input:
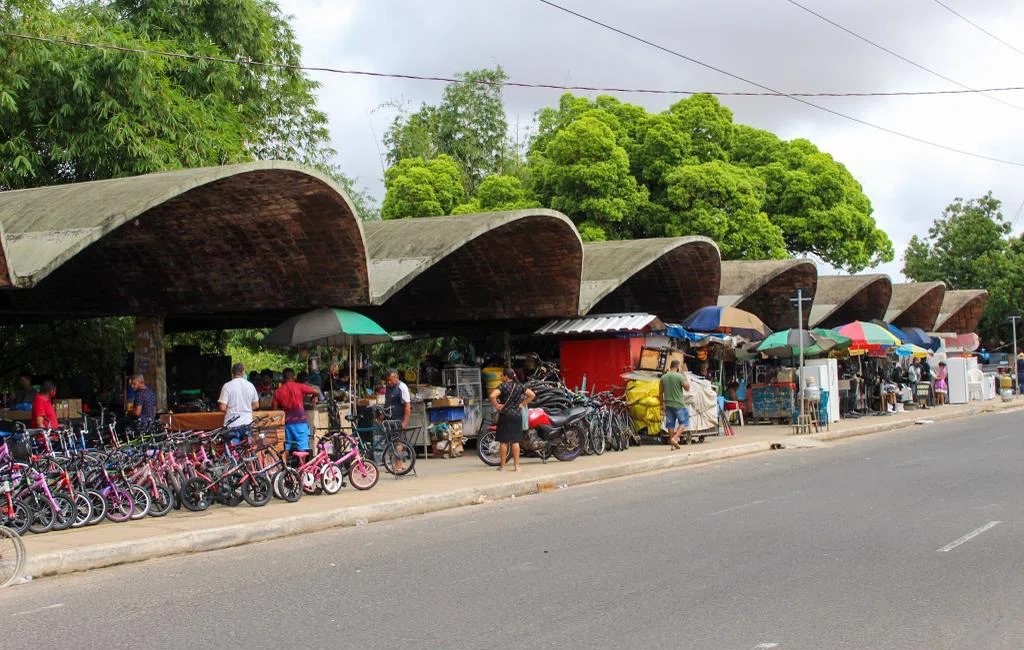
[868,337]
[727,320]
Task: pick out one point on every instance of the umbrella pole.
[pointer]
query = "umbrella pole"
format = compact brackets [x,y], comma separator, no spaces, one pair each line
[800,375]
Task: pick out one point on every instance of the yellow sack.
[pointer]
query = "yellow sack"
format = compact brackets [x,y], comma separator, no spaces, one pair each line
[644,404]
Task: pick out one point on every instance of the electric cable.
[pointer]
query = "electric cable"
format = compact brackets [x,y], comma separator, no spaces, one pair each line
[977,26]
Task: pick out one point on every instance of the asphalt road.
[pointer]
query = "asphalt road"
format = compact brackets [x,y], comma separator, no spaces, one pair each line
[849,546]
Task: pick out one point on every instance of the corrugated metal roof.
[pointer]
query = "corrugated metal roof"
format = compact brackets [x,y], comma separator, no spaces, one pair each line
[600,323]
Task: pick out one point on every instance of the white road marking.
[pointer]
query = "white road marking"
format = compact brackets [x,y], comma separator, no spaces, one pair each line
[1012,435]
[742,505]
[38,609]
[968,537]
[765,646]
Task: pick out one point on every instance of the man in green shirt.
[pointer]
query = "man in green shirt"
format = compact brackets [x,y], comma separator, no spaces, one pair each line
[671,390]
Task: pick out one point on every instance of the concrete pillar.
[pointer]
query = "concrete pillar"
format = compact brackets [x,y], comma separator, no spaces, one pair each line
[149,356]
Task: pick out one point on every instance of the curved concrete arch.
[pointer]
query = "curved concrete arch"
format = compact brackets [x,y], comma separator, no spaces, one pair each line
[670,276]
[915,304]
[191,241]
[765,288]
[519,264]
[961,311]
[840,299]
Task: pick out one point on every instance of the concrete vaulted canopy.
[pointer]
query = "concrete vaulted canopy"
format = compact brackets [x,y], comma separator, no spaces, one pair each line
[915,304]
[766,289]
[961,311]
[842,299]
[433,271]
[206,243]
[671,277]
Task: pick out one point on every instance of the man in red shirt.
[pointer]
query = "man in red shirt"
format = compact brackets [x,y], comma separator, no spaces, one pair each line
[43,415]
[290,397]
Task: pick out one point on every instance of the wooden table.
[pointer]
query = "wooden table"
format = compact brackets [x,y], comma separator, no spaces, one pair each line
[207,421]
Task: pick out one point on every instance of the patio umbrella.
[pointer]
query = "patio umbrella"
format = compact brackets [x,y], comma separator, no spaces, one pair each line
[786,343]
[327,326]
[911,350]
[867,337]
[918,336]
[727,320]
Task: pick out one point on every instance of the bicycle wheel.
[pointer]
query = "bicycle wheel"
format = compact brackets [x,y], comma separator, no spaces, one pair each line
[83,510]
[310,485]
[489,449]
[288,485]
[18,516]
[99,507]
[160,501]
[363,475]
[597,441]
[141,502]
[195,494]
[331,479]
[43,514]
[257,491]
[66,511]
[399,457]
[12,556]
[119,505]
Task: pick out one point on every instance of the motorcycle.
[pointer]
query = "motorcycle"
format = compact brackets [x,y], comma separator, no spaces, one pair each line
[561,435]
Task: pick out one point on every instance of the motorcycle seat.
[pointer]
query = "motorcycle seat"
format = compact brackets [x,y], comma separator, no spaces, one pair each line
[565,417]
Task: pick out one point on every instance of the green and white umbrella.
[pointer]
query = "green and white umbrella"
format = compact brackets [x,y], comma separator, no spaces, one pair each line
[327,326]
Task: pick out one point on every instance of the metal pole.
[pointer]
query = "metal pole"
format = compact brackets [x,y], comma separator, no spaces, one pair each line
[1013,364]
[800,375]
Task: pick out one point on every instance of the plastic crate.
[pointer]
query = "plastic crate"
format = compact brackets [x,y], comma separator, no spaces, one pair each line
[447,414]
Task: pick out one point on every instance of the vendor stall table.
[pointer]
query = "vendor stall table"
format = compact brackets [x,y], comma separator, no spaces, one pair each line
[207,421]
[773,401]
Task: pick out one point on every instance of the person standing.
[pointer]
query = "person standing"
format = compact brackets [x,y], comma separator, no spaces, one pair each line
[397,409]
[291,398]
[941,388]
[1020,370]
[144,404]
[672,393]
[508,400]
[237,401]
[25,394]
[43,414]
[926,379]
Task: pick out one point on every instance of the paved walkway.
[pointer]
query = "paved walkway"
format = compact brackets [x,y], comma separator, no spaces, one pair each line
[440,484]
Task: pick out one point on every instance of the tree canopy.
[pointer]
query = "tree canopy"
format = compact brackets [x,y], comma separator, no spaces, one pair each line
[970,246]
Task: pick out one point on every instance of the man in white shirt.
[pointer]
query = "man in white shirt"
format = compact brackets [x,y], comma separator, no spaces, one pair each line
[238,399]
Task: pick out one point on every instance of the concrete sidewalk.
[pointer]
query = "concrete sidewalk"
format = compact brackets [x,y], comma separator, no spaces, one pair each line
[440,484]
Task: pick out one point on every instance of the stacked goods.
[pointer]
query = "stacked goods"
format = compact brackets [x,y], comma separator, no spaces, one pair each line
[644,405]
[550,396]
[492,379]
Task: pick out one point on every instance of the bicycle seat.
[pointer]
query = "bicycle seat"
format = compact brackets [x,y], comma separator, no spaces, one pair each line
[301,455]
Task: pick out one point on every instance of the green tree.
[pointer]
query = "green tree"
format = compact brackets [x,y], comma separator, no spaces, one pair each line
[584,173]
[970,247]
[497,193]
[71,114]
[469,125]
[707,123]
[723,202]
[422,188]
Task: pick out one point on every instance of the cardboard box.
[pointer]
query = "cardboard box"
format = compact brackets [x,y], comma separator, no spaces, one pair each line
[445,402]
[786,376]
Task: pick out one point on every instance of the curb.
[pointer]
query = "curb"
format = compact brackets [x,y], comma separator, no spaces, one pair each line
[112,554]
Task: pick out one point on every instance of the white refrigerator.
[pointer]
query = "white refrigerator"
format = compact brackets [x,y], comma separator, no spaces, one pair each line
[826,375]
[958,379]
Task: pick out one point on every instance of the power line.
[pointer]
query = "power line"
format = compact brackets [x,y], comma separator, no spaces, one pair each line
[483,82]
[977,26]
[896,54]
[779,92]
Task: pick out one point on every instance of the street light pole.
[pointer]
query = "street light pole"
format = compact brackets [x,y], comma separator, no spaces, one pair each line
[1013,365]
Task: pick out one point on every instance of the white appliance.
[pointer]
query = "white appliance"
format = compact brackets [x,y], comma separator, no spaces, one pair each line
[826,376]
[958,378]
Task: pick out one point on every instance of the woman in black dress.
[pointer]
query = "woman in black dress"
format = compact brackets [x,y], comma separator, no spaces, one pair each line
[509,400]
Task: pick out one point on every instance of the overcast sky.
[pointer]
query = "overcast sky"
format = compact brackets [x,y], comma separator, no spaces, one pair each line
[770,41]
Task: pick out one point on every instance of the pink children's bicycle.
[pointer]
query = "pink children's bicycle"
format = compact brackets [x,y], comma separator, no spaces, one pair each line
[336,457]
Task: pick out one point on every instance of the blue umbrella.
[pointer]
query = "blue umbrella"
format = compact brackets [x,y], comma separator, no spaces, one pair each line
[917,336]
[727,320]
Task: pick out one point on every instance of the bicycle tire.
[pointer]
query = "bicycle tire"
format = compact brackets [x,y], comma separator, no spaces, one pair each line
[141,502]
[310,485]
[12,556]
[394,458]
[43,515]
[18,517]
[66,511]
[288,485]
[195,494]
[99,507]
[83,507]
[119,505]
[331,479]
[257,491]
[161,502]
[597,439]
[365,477]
